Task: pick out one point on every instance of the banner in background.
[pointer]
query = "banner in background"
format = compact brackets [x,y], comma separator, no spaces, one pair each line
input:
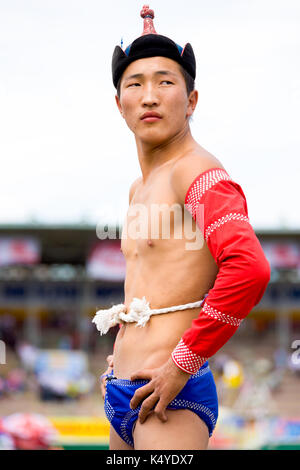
[285,254]
[19,250]
[106,261]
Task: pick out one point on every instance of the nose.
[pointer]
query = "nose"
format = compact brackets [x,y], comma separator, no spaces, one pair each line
[150,96]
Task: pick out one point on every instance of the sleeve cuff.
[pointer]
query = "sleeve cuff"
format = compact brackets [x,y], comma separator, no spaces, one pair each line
[186,360]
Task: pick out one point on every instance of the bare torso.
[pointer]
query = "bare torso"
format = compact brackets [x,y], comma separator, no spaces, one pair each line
[165,272]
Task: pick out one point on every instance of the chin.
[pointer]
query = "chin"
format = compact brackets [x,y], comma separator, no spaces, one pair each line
[154,136]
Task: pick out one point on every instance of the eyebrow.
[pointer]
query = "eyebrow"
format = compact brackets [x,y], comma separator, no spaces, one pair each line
[141,75]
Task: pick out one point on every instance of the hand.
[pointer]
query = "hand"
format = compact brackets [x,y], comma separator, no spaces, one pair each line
[165,384]
[110,360]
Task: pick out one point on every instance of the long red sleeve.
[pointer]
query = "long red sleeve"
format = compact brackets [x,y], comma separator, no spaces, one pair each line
[244,271]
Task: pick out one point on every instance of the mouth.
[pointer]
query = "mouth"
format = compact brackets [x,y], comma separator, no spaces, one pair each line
[151,117]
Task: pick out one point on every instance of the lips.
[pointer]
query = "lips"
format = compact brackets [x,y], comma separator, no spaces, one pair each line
[151,116]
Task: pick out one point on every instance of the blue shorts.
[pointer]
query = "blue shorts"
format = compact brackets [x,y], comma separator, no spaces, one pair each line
[198,395]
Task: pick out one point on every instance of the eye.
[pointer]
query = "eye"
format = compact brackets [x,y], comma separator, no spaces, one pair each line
[133,84]
[167,81]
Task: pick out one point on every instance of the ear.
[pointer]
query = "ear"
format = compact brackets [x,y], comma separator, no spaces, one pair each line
[119,105]
[193,100]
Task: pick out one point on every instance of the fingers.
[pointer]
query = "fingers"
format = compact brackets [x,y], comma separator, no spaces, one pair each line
[105,374]
[103,384]
[160,411]
[110,360]
[103,390]
[147,407]
[140,394]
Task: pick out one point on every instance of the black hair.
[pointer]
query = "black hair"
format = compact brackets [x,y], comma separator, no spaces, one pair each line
[189,81]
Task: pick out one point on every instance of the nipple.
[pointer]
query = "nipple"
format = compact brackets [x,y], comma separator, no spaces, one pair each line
[150,242]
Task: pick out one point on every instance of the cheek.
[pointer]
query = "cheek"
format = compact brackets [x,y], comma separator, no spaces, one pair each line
[177,107]
[129,107]
[129,100]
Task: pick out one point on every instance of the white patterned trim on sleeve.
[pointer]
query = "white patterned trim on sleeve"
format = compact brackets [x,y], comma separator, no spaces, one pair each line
[212,312]
[223,220]
[202,184]
[186,360]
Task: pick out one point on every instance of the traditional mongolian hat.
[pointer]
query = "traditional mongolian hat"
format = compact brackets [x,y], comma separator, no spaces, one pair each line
[151,44]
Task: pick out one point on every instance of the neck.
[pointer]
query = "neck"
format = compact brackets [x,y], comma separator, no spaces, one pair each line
[152,156]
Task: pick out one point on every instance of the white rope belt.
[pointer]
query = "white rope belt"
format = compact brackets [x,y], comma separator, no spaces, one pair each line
[139,312]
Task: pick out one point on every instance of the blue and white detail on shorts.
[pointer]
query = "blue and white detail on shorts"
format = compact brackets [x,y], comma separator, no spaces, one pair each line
[198,395]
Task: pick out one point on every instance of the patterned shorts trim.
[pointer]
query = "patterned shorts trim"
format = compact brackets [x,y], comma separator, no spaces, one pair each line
[198,395]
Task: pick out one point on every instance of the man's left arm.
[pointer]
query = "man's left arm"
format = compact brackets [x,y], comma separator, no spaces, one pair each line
[244,271]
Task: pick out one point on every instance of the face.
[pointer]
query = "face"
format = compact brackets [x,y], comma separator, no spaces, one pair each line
[154,100]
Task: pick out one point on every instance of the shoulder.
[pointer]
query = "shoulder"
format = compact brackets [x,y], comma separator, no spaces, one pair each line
[133,187]
[186,169]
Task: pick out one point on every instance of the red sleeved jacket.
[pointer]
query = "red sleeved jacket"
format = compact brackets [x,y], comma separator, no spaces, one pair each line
[244,271]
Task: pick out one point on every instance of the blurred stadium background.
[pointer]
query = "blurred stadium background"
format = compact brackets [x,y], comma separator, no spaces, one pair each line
[52,281]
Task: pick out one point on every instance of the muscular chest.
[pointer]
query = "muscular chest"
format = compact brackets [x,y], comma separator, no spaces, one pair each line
[154,217]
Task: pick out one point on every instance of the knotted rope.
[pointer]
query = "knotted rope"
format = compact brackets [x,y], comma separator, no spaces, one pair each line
[139,312]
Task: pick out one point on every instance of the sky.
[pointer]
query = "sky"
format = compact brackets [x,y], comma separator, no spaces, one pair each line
[66,154]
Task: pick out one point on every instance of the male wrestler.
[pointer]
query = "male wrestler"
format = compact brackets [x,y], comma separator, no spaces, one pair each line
[159,390]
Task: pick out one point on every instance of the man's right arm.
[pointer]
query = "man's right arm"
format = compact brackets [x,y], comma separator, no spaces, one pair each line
[109,360]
